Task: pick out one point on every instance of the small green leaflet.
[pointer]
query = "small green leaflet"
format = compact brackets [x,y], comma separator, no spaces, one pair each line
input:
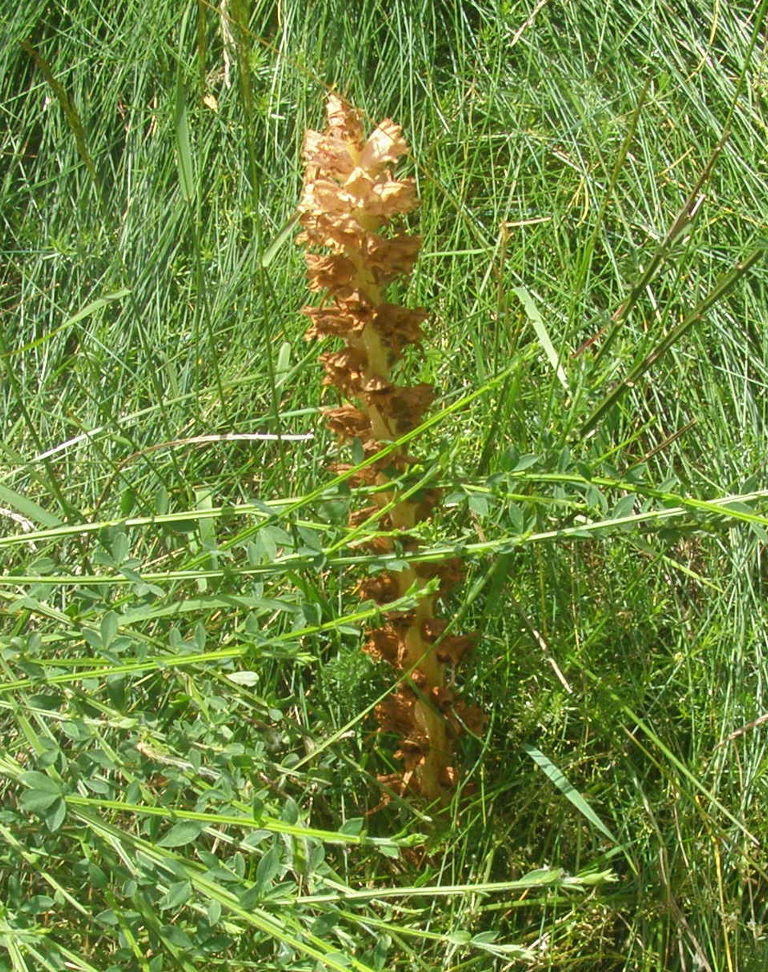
[182,833]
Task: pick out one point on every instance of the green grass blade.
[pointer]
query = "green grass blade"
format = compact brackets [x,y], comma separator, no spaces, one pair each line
[558,778]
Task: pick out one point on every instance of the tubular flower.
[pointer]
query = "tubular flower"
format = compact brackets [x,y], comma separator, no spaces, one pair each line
[349,196]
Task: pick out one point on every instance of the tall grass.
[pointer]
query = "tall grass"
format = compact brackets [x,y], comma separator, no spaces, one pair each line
[188,757]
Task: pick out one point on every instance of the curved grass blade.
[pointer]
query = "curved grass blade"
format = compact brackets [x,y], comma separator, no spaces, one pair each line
[568,790]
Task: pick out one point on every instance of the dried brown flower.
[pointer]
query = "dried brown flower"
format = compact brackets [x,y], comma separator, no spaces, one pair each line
[349,196]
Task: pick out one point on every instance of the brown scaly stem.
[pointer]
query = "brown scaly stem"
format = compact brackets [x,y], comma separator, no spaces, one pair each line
[349,195]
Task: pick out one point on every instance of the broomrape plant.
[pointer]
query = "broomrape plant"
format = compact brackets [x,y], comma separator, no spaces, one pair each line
[349,196]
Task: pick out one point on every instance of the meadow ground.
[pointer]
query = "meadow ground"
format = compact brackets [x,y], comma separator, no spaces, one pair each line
[189,761]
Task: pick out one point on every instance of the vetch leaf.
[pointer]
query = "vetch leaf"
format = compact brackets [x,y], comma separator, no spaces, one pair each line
[38,904]
[54,818]
[109,624]
[243,678]
[177,894]
[479,504]
[182,833]
[107,917]
[267,870]
[40,781]
[353,827]
[176,936]
[340,957]
[38,801]
[524,462]
[389,850]
[624,507]
[120,547]
[290,810]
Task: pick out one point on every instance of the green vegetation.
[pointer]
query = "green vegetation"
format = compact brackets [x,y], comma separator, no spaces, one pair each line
[188,759]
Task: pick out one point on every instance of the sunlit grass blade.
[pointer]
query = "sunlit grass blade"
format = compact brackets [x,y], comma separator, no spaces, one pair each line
[558,778]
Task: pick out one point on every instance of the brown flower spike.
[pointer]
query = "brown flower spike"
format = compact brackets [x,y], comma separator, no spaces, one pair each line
[349,195]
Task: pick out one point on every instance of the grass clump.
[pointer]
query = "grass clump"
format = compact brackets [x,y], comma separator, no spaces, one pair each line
[187,762]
